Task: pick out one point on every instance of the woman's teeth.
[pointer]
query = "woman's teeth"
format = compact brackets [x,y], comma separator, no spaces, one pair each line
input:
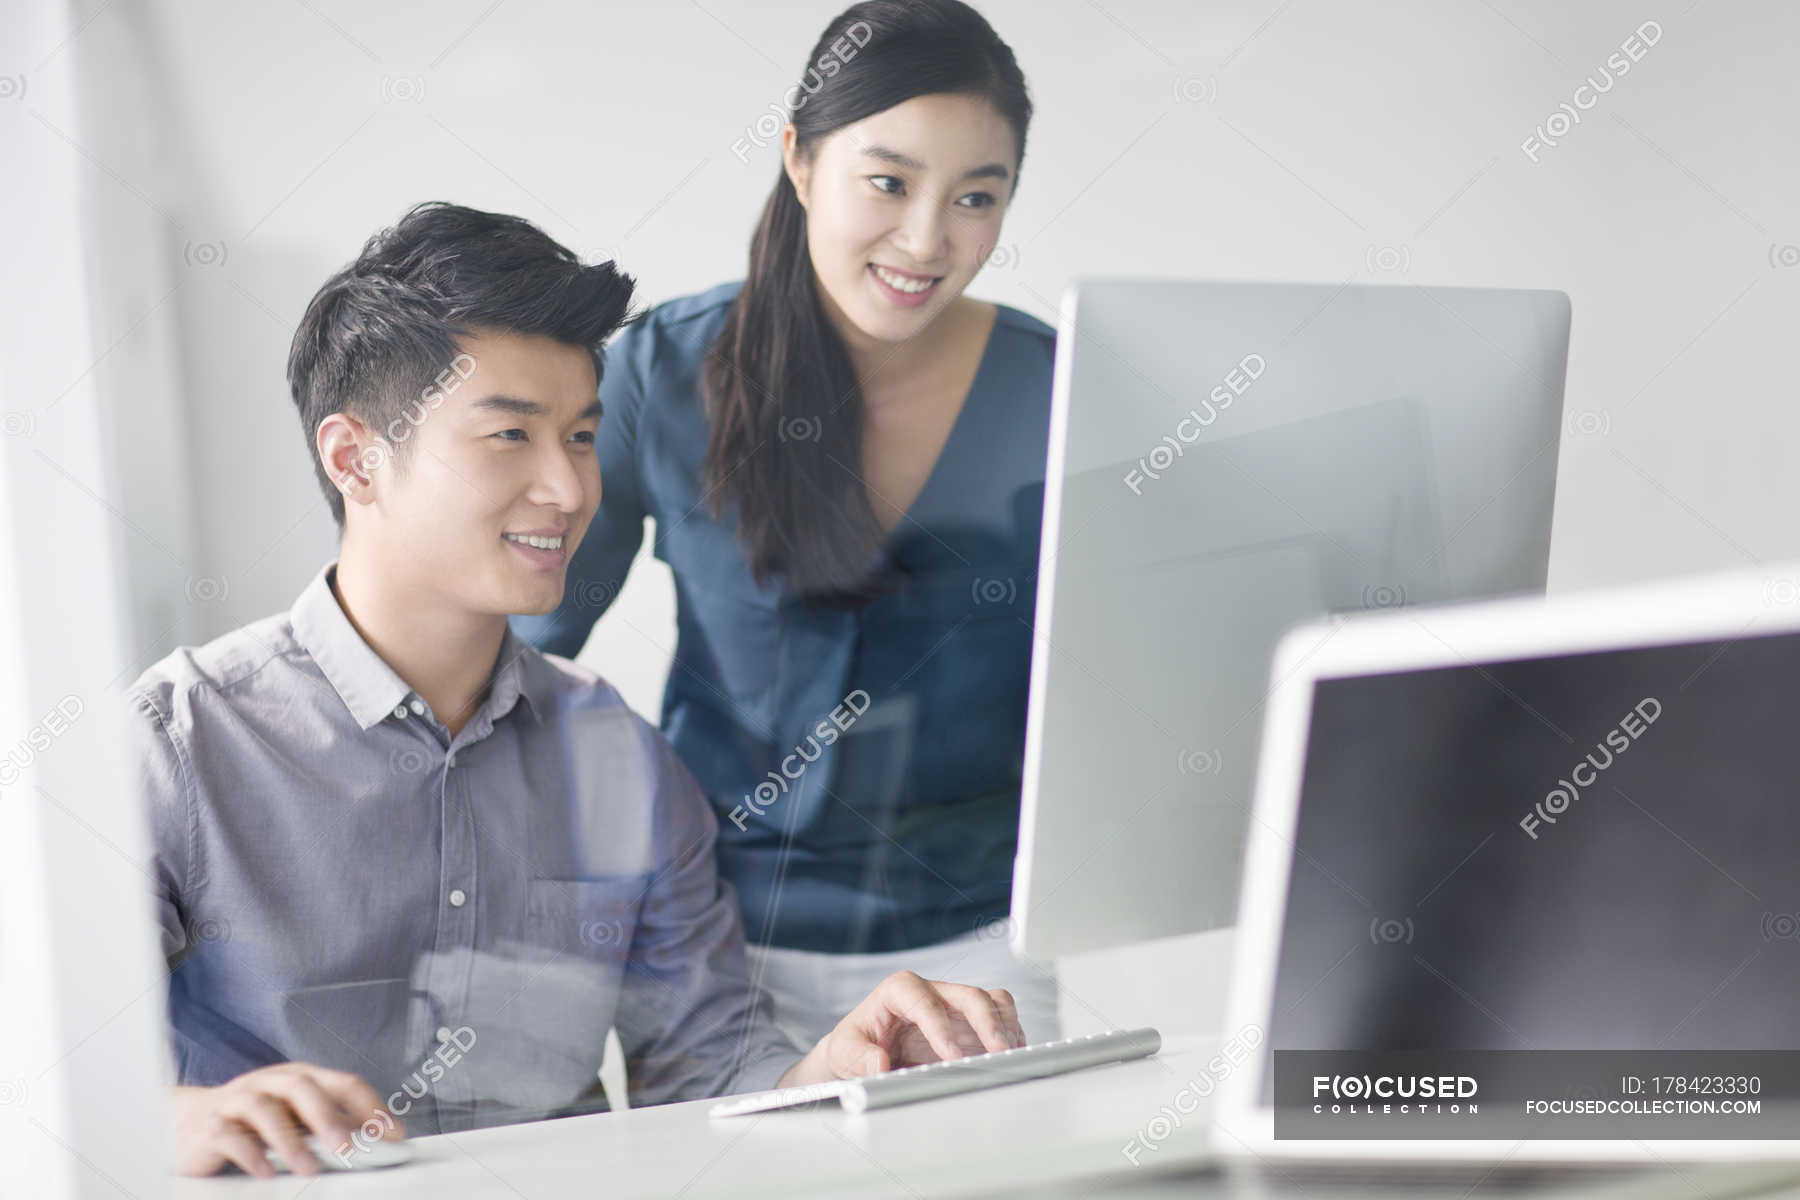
[901,283]
[542,543]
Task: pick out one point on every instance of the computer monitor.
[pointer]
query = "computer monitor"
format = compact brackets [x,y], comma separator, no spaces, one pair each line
[1227,460]
[83,1045]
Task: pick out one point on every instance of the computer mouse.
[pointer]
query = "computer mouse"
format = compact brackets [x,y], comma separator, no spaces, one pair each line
[362,1155]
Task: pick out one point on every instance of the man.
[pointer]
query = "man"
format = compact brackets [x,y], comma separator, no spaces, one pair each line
[406,864]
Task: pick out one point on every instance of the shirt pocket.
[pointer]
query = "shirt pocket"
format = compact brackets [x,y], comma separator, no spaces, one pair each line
[592,918]
[578,936]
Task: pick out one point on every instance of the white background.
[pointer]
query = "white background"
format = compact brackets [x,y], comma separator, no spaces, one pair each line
[1237,138]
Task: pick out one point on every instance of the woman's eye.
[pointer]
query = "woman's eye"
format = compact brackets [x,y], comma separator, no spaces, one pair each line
[981,200]
[882,182]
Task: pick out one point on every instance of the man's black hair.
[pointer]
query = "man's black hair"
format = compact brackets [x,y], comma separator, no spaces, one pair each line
[382,332]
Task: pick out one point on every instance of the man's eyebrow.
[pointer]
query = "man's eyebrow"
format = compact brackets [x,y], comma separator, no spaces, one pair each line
[988,171]
[520,407]
[514,405]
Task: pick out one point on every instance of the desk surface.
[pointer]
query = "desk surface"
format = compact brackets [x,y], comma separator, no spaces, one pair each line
[974,1144]
[1055,1136]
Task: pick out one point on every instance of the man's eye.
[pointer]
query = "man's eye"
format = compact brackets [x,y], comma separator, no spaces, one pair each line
[882,182]
[585,437]
[507,435]
[981,200]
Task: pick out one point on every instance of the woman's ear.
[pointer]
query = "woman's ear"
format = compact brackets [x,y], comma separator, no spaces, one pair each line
[796,164]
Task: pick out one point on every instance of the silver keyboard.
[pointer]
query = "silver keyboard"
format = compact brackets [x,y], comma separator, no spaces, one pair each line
[950,1076]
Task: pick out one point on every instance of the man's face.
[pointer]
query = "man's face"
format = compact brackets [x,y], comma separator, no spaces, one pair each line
[506,455]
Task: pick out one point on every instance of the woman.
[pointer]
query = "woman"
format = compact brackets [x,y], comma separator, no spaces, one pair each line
[844,457]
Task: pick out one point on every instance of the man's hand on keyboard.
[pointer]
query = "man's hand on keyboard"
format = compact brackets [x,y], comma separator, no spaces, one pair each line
[907,1020]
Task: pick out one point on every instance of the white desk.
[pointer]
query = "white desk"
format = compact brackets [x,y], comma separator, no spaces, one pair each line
[975,1144]
[1025,1139]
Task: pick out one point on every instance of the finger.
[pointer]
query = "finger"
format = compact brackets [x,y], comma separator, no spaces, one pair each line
[1009,1014]
[241,1149]
[870,1058]
[359,1100]
[918,1001]
[275,1123]
[317,1109]
[977,1008]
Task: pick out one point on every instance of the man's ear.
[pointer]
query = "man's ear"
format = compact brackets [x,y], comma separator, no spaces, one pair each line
[797,165]
[352,455]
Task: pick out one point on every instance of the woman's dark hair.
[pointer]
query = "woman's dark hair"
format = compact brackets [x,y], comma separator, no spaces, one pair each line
[783,401]
[382,330]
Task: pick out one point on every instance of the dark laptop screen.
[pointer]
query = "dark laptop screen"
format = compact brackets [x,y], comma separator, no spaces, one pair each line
[1598,851]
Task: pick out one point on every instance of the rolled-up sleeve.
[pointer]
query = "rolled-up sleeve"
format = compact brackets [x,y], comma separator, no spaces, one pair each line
[158,770]
[161,779]
[690,1021]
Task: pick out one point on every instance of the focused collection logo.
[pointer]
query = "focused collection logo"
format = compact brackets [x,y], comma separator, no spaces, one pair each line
[1394,1095]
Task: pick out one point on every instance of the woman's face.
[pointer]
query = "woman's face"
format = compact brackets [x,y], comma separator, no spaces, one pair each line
[902,208]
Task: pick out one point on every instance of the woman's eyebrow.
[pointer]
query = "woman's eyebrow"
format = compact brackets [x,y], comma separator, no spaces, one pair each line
[992,170]
[893,156]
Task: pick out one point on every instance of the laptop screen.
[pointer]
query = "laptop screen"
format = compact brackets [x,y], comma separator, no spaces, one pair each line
[1598,851]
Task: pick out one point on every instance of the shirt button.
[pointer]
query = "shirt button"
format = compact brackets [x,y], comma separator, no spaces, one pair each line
[401,712]
[418,707]
[443,1033]
[458,897]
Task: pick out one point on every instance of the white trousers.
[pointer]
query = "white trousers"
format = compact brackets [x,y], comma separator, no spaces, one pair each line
[814,991]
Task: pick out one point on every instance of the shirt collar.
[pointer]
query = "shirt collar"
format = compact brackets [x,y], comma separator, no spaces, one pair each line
[371,689]
[516,678]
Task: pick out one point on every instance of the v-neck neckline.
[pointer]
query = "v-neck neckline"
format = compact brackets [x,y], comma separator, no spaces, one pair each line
[884,550]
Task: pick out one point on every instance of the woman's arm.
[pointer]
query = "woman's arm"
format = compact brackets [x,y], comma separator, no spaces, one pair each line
[603,559]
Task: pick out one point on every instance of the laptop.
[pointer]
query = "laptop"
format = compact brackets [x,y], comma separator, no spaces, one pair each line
[1521,897]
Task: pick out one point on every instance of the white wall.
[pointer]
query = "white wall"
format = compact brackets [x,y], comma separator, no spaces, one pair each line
[1240,138]
[1257,139]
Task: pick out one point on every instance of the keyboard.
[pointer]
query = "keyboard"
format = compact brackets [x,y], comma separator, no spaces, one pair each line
[952,1076]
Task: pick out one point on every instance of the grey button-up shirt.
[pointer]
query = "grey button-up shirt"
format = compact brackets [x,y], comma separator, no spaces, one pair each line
[459,920]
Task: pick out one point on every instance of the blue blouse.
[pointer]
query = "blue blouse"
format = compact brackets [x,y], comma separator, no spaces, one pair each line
[864,762]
